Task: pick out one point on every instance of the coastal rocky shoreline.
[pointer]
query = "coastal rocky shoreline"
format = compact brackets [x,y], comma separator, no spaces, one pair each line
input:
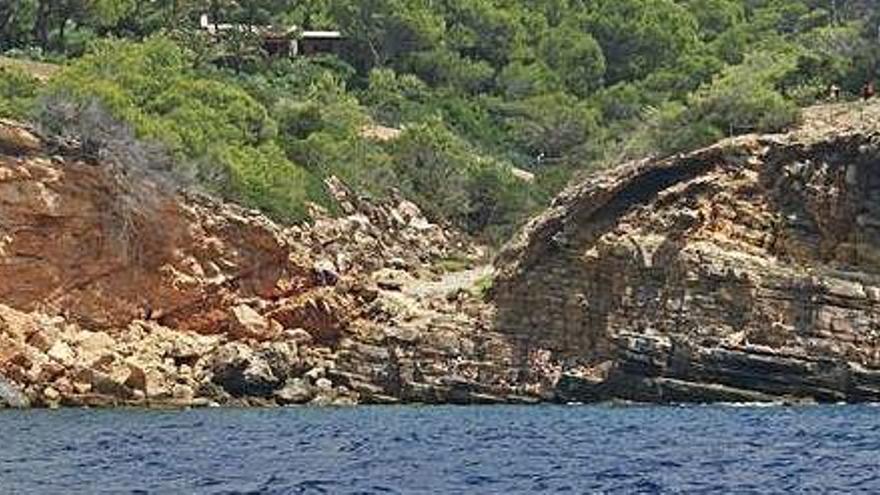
[746,271]
[743,272]
[117,289]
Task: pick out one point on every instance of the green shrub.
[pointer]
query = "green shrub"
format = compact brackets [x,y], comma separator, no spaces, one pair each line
[430,162]
[498,201]
[218,133]
[202,113]
[576,56]
[521,79]
[550,126]
[18,91]
[449,180]
[742,99]
[394,99]
[263,178]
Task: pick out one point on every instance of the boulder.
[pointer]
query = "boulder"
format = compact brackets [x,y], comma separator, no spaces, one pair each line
[281,357]
[299,336]
[137,378]
[182,392]
[51,395]
[62,353]
[157,384]
[241,372]
[103,384]
[391,279]
[43,340]
[325,272]
[295,391]
[323,313]
[11,395]
[17,140]
[247,323]
[93,346]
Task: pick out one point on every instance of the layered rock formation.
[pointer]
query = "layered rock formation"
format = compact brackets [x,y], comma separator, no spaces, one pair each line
[749,270]
[746,271]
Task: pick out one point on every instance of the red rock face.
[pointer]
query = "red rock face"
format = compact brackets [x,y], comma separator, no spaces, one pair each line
[79,239]
[116,289]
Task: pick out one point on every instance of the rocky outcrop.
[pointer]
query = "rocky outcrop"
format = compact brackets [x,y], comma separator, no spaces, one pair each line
[746,271]
[118,288]
[105,245]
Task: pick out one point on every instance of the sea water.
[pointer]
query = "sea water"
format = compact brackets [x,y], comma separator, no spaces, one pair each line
[552,449]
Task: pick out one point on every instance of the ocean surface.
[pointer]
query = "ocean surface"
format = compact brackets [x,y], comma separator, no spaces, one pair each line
[564,449]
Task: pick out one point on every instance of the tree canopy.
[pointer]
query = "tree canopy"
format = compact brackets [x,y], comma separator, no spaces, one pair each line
[478,88]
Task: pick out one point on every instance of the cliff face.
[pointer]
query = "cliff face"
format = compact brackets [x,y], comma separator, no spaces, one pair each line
[746,271]
[117,288]
[104,245]
[749,270]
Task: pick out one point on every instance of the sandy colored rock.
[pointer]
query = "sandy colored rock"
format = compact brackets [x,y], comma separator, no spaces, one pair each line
[92,346]
[295,391]
[298,335]
[51,394]
[17,140]
[247,323]
[182,392]
[741,271]
[62,353]
[322,313]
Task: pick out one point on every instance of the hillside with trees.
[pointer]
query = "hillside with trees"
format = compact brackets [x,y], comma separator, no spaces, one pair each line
[481,90]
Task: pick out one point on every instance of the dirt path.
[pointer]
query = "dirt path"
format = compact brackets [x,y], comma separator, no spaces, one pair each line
[449,282]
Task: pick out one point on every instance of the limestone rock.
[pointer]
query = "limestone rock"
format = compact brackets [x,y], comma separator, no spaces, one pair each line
[92,346]
[391,279]
[182,392]
[241,372]
[17,140]
[324,384]
[51,395]
[742,271]
[322,314]
[11,394]
[299,336]
[247,323]
[62,353]
[295,391]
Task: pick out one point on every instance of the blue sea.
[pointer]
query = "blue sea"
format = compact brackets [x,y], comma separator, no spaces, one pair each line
[483,450]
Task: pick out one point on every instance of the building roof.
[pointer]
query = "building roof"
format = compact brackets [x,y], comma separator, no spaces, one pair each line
[214,28]
[321,34]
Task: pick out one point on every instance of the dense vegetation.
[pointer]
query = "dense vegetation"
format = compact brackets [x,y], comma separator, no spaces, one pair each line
[477,86]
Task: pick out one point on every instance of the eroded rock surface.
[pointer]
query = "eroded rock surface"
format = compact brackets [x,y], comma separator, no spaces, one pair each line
[746,271]
[117,289]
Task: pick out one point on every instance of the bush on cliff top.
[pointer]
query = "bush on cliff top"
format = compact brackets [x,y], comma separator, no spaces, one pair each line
[217,132]
[552,86]
[17,92]
[269,146]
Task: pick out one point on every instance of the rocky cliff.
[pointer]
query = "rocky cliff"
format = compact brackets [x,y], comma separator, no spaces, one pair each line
[746,271]
[119,288]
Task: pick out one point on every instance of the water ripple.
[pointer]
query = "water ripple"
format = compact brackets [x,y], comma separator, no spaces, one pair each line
[588,449]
